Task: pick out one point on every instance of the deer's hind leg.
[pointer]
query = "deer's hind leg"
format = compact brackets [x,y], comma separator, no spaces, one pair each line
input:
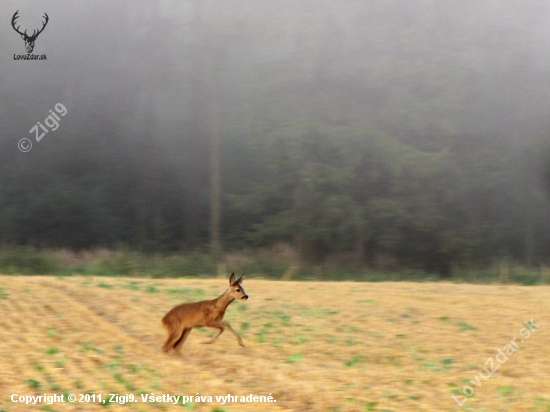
[173,337]
[181,340]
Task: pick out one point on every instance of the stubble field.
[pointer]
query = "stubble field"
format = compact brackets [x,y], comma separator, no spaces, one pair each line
[312,346]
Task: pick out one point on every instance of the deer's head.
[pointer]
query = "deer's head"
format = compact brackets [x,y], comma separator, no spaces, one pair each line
[29,40]
[236,290]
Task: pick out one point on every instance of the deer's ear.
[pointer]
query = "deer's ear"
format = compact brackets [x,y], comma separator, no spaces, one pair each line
[238,281]
[231,279]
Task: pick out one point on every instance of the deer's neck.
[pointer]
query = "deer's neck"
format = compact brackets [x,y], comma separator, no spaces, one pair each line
[223,301]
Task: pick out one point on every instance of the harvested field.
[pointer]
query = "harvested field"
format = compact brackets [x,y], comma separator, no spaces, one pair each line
[313,346]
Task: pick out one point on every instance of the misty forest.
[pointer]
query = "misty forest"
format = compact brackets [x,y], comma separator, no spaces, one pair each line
[366,135]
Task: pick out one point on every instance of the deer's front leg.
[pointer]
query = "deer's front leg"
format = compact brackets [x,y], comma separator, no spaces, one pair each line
[215,338]
[221,324]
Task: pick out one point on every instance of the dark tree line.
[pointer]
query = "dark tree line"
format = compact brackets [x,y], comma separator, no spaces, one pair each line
[365,198]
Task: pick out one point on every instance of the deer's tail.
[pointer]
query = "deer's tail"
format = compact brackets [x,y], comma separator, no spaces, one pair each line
[166,323]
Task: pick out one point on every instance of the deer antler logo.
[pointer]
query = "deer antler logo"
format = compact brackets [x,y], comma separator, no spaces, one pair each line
[29,40]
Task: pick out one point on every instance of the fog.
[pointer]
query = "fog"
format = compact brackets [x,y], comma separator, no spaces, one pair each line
[410,132]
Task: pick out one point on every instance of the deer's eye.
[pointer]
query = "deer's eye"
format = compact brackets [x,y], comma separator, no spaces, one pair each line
[238,290]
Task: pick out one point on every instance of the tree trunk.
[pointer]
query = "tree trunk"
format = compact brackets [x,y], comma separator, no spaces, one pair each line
[215,174]
[529,212]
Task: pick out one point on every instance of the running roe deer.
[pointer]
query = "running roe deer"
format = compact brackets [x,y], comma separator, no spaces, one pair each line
[181,319]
